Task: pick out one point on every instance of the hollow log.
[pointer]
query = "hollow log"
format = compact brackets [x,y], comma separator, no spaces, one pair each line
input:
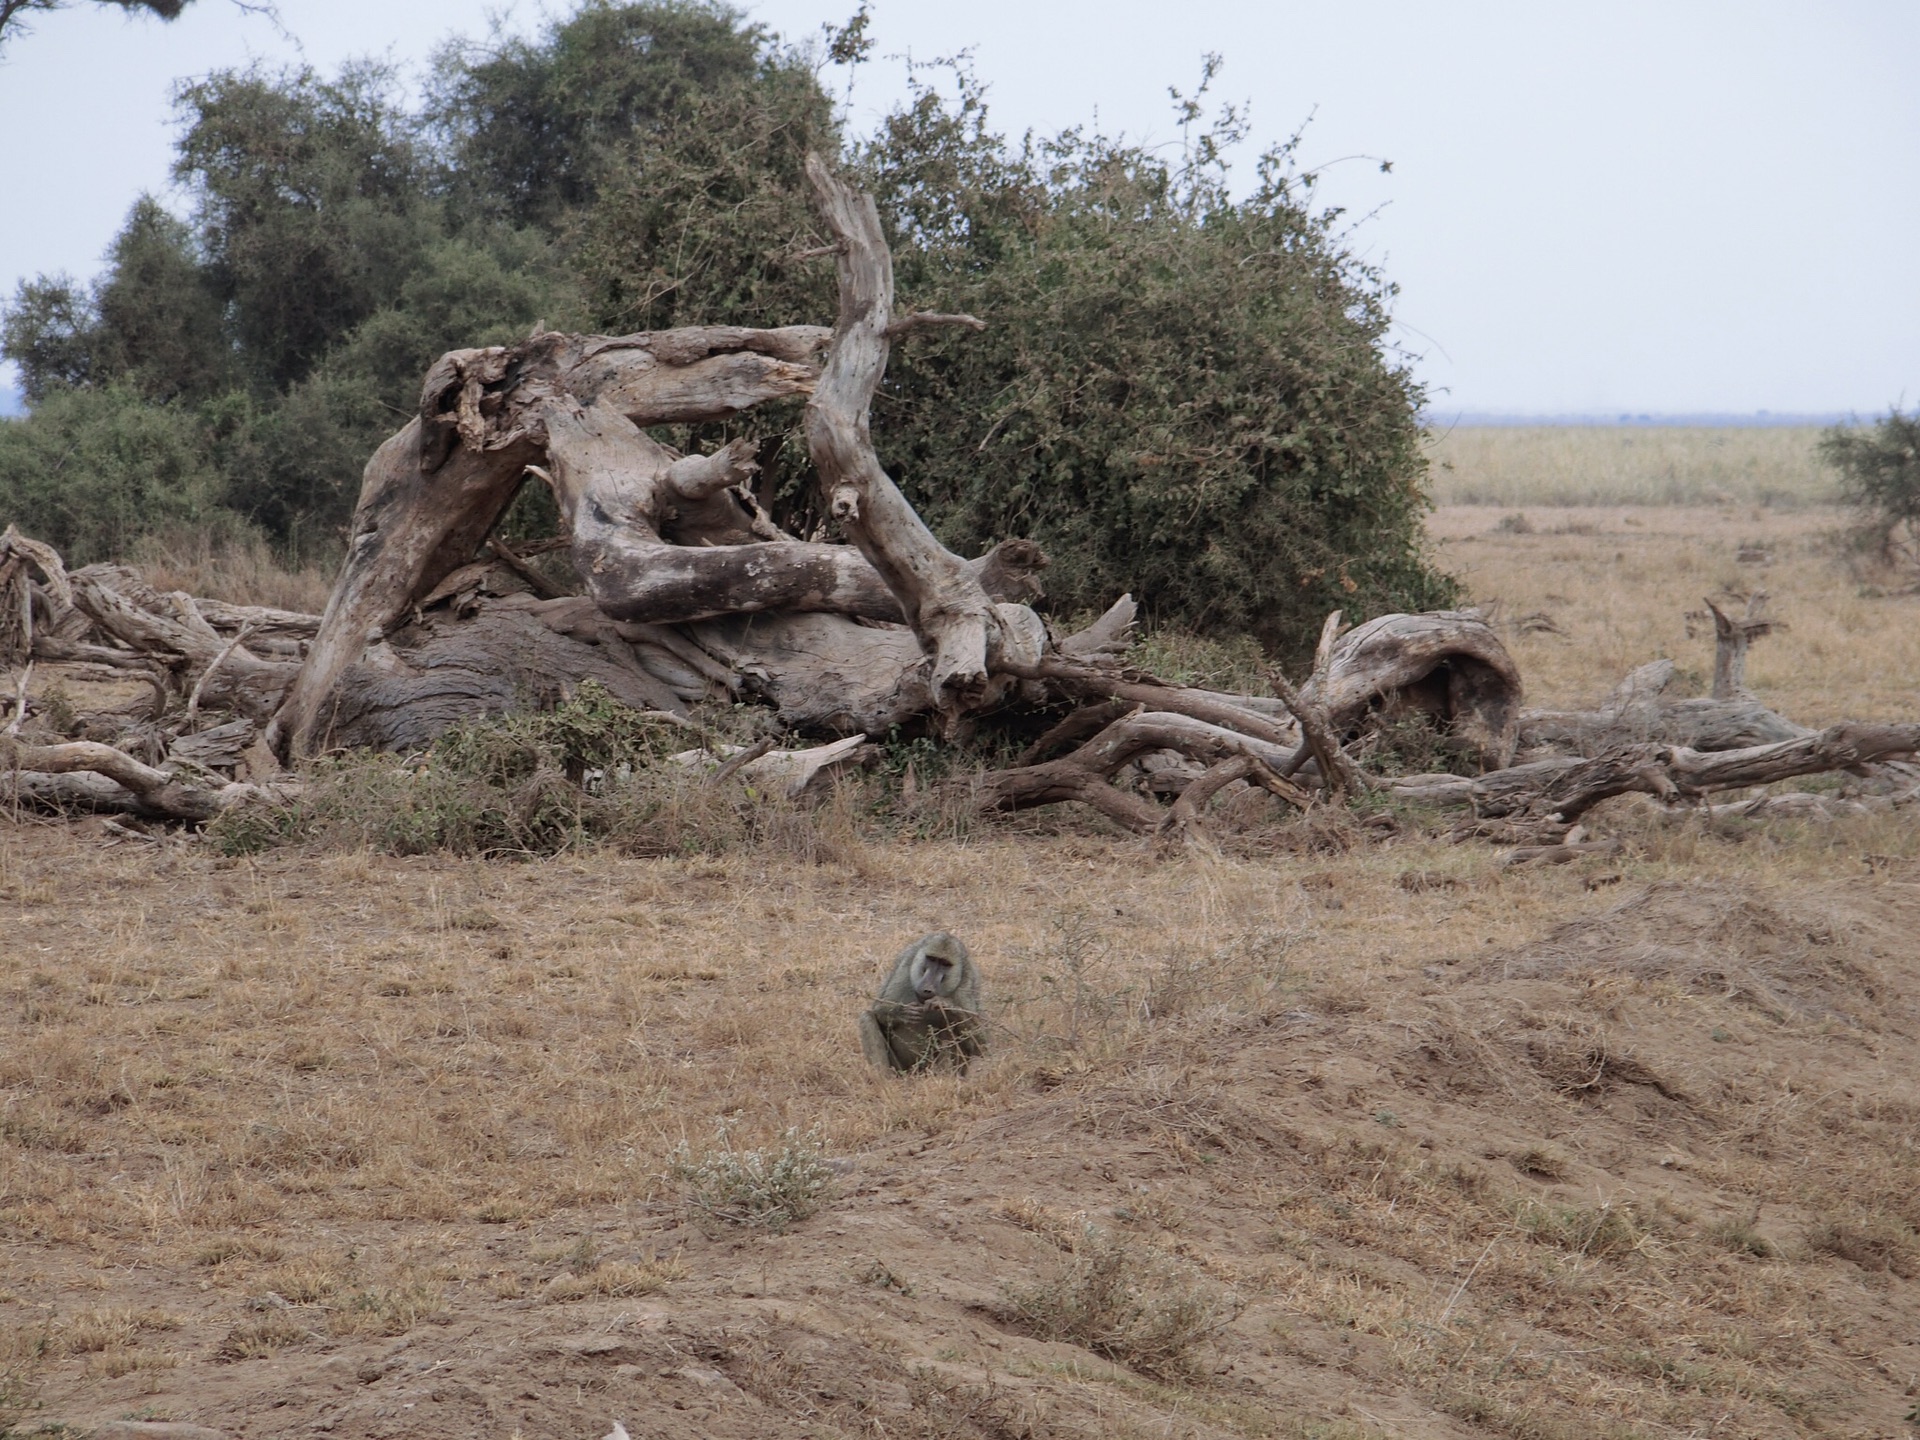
[1447,664]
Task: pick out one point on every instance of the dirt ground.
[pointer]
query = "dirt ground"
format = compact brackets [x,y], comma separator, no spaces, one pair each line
[1386,1141]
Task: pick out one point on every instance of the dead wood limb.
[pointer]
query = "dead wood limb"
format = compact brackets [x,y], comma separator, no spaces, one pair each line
[930,320]
[1337,771]
[1080,680]
[1189,810]
[1110,635]
[509,557]
[735,762]
[193,700]
[613,483]
[171,631]
[157,793]
[1088,720]
[1731,636]
[1567,787]
[793,770]
[19,703]
[944,602]
[1086,773]
[17,554]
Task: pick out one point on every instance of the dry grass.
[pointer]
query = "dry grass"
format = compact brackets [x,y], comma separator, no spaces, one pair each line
[1628,465]
[1623,1148]
[1618,584]
[239,572]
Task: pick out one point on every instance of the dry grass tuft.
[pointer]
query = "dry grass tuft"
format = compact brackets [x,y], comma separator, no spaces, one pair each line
[1129,1302]
[615,1279]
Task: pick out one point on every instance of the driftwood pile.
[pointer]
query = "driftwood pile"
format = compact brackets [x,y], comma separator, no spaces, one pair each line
[692,593]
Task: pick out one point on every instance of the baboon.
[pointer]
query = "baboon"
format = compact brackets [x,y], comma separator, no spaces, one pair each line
[928,1014]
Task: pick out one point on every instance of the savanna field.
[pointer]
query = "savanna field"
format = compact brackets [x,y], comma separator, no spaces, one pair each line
[1342,1131]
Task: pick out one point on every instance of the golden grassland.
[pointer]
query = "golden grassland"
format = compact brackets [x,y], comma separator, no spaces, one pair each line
[1627,465]
[1625,584]
[1365,1136]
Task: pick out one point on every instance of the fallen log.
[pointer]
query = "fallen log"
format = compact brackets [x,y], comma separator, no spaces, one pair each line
[1563,789]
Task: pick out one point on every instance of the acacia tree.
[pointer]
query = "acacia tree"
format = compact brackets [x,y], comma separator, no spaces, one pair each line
[12,12]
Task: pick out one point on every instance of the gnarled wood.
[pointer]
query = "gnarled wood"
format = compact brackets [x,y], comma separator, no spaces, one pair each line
[432,492]
[943,599]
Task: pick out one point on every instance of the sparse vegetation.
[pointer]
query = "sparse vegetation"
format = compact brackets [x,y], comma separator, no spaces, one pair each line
[1879,469]
[1126,1301]
[759,1189]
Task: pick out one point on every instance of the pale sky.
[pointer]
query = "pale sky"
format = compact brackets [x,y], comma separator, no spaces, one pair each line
[1668,207]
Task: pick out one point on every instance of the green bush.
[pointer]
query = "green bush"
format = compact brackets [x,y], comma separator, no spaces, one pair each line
[1879,475]
[1185,391]
[92,471]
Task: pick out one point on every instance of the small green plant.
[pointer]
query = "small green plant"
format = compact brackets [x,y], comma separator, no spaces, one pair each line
[759,1189]
[1129,1302]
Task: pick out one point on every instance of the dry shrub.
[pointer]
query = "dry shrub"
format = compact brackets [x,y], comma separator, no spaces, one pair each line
[615,1279]
[386,1310]
[1129,1302]
[254,1339]
[767,1189]
[239,568]
[110,1329]
[1873,1242]
[1582,1229]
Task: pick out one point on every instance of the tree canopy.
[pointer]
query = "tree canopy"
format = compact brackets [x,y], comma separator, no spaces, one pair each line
[1186,389]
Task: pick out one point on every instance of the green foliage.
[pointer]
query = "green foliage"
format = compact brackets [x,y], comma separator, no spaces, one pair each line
[534,127]
[91,471]
[1180,395]
[1183,394]
[1879,473]
[312,204]
[534,783]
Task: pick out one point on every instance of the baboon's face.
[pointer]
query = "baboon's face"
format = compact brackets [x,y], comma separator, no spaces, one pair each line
[932,975]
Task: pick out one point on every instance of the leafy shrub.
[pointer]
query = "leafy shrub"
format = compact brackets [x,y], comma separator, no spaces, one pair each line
[760,1189]
[1880,476]
[92,471]
[1129,1302]
[1186,390]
